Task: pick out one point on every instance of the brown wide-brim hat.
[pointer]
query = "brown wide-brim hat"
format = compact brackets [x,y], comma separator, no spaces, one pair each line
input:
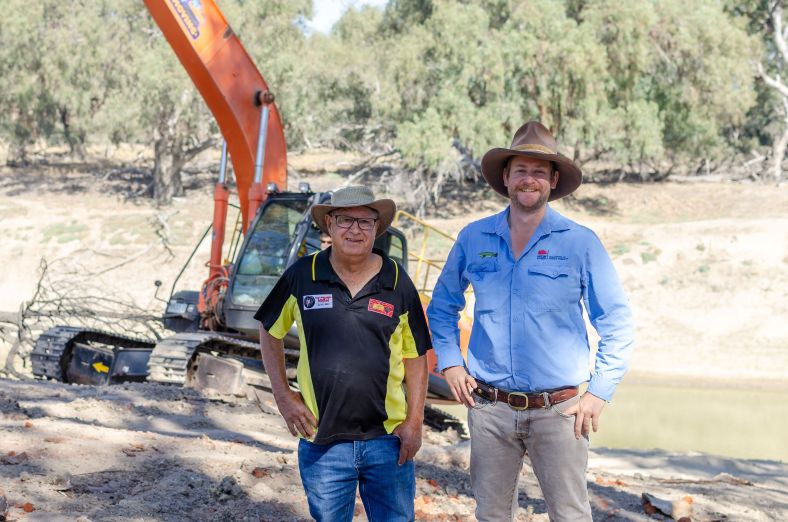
[535,141]
[356,196]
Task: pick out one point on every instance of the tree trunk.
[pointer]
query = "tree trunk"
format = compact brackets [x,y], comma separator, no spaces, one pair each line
[170,156]
[776,83]
[75,142]
[167,164]
[778,154]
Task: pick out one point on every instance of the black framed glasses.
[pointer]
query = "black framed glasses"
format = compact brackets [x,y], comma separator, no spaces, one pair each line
[347,222]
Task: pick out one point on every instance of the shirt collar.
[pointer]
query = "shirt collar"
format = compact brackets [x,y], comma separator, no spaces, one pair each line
[323,271]
[551,222]
[555,222]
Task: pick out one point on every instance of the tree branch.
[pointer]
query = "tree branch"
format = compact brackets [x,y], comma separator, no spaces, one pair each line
[188,154]
[779,36]
[774,83]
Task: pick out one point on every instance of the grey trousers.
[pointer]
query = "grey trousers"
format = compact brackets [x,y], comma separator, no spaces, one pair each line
[500,437]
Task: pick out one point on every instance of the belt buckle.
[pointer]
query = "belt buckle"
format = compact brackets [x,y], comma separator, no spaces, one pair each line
[517,394]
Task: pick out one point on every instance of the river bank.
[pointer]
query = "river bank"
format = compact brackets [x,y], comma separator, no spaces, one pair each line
[147,452]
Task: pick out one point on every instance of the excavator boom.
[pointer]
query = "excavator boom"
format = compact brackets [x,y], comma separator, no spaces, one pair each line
[230,84]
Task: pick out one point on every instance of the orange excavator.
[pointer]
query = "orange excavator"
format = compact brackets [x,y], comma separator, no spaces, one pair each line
[216,338]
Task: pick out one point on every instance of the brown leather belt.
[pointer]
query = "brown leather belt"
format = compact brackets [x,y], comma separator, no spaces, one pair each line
[524,401]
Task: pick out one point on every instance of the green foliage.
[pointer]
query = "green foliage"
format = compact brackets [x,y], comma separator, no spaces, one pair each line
[639,87]
[649,257]
[620,249]
[58,70]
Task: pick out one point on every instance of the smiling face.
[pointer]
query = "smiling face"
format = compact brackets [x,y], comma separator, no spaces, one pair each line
[529,182]
[352,241]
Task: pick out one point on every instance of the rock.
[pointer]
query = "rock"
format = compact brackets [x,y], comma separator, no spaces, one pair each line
[260,473]
[61,482]
[226,489]
[457,455]
[677,509]
[13,458]
[263,491]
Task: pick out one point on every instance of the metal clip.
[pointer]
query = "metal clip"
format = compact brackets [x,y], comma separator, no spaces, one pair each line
[547,403]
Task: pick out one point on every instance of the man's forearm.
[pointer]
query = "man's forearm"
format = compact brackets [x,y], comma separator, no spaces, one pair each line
[272,350]
[416,386]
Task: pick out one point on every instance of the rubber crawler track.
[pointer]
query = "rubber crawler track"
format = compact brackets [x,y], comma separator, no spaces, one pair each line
[53,347]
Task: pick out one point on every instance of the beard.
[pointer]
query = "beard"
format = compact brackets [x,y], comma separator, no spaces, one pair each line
[534,205]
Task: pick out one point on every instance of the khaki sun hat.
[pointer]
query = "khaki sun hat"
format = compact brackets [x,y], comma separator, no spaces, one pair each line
[535,141]
[356,196]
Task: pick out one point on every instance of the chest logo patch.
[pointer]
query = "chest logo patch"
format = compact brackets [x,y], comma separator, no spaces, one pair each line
[381,307]
[488,254]
[544,255]
[315,302]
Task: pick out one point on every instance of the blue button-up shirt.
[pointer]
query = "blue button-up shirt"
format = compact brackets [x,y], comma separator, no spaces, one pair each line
[528,331]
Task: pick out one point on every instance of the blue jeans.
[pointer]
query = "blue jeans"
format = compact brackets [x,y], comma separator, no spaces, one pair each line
[331,472]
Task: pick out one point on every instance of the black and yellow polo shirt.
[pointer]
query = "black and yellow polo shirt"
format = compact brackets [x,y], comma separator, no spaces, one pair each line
[350,369]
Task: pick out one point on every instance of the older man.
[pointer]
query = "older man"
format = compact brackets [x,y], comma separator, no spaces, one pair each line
[532,272]
[363,333]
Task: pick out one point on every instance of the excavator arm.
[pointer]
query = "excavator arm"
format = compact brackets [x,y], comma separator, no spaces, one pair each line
[231,86]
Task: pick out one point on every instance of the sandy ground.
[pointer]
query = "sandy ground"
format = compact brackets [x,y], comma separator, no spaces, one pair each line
[704,264]
[146,452]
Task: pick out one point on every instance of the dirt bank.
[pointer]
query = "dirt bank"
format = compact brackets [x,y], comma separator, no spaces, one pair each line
[146,452]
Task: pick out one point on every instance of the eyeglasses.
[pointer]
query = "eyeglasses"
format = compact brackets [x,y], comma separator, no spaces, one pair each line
[347,222]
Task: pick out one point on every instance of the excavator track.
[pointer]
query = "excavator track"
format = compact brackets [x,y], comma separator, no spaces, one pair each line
[441,420]
[171,358]
[50,356]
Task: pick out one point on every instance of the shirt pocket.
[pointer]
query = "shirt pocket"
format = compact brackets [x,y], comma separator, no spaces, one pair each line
[550,287]
[483,276]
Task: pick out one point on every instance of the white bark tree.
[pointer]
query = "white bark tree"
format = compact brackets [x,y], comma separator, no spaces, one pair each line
[775,81]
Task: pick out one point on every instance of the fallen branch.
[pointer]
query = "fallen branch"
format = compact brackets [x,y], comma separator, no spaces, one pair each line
[72,296]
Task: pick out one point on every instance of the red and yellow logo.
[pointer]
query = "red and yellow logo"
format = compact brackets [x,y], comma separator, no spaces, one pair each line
[381,307]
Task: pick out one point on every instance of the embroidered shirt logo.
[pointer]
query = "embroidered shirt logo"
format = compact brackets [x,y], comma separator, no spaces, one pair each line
[381,307]
[488,254]
[544,255]
[315,302]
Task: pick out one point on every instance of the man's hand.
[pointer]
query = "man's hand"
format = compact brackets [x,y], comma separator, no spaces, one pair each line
[587,412]
[409,433]
[461,384]
[297,416]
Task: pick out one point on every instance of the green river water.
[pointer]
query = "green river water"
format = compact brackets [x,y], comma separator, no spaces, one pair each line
[728,421]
